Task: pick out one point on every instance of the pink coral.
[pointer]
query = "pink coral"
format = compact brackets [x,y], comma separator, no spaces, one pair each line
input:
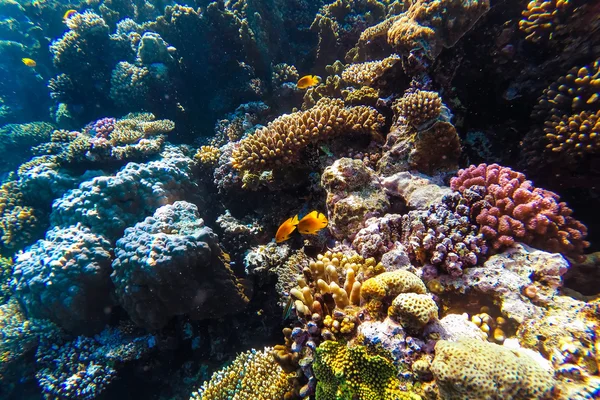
[512,209]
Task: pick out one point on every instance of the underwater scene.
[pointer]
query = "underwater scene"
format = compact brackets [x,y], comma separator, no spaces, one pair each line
[300,199]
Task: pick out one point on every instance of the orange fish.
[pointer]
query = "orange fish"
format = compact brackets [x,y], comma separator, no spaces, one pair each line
[312,223]
[308,81]
[29,62]
[69,14]
[286,229]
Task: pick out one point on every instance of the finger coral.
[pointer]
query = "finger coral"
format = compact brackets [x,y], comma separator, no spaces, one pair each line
[513,210]
[208,155]
[174,254]
[281,142]
[481,370]
[252,375]
[543,17]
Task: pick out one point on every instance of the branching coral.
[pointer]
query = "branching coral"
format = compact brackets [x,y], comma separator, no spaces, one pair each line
[281,142]
[253,375]
[207,156]
[512,209]
[443,235]
[174,254]
[129,84]
[351,372]
[544,17]
[283,73]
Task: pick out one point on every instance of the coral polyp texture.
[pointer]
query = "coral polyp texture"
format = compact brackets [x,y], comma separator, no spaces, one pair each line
[174,254]
[280,142]
[511,209]
[252,375]
[543,18]
[575,135]
[419,106]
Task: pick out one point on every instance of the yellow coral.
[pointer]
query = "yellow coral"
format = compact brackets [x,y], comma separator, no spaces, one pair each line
[574,135]
[418,107]
[385,287]
[281,141]
[368,72]
[283,73]
[208,155]
[413,310]
[18,221]
[543,17]
[254,375]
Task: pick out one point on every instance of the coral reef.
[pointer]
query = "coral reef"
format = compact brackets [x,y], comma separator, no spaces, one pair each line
[280,142]
[543,18]
[16,141]
[66,278]
[509,208]
[173,254]
[253,373]
[480,370]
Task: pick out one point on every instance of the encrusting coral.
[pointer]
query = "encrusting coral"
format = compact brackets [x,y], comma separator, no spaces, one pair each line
[280,142]
[252,375]
[509,209]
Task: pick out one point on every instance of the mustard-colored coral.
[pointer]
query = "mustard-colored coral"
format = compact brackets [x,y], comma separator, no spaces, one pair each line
[364,96]
[574,135]
[283,73]
[281,142]
[18,221]
[543,17]
[368,72]
[207,155]
[413,310]
[477,370]
[418,107]
[383,288]
[350,372]
[253,375]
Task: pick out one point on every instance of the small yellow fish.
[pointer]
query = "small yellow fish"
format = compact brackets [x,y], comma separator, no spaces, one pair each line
[29,62]
[308,81]
[69,14]
[286,229]
[312,223]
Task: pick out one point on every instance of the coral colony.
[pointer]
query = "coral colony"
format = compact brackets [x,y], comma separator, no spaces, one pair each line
[308,199]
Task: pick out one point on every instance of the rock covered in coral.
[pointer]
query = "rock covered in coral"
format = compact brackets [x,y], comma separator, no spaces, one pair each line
[171,264]
[66,278]
[481,370]
[454,328]
[252,373]
[16,141]
[109,204]
[379,236]
[354,194]
[521,280]
[444,236]
[417,191]
[513,210]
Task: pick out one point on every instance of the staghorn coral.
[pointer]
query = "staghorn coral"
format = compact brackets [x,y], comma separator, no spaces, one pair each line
[418,107]
[349,371]
[280,142]
[65,278]
[173,254]
[444,236]
[354,194]
[207,156]
[481,370]
[368,73]
[543,18]
[252,375]
[512,209]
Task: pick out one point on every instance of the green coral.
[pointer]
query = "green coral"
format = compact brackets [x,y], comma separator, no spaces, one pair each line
[349,372]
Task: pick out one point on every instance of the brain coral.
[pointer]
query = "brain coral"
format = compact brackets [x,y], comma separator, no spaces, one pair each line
[280,142]
[413,310]
[514,210]
[171,264]
[109,204]
[253,375]
[66,278]
[477,370]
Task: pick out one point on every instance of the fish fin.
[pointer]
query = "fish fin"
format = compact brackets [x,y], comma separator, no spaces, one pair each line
[294,220]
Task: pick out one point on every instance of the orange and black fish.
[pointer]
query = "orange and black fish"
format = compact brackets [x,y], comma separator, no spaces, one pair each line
[312,223]
[308,81]
[286,229]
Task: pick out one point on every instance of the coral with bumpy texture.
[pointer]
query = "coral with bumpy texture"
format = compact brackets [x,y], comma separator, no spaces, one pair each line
[252,375]
[349,371]
[367,73]
[418,107]
[354,194]
[574,135]
[284,73]
[543,17]
[281,142]
[413,310]
[513,210]
[19,222]
[65,278]
[109,204]
[444,236]
[171,264]
[379,291]
[129,84]
[379,236]
[207,156]
[477,370]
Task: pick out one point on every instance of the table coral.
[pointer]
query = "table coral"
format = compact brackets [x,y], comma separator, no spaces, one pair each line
[351,372]
[65,278]
[514,210]
[354,194]
[252,375]
[477,370]
[281,142]
[444,236]
[174,255]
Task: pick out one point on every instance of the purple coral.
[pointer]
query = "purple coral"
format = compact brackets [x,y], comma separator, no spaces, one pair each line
[102,128]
